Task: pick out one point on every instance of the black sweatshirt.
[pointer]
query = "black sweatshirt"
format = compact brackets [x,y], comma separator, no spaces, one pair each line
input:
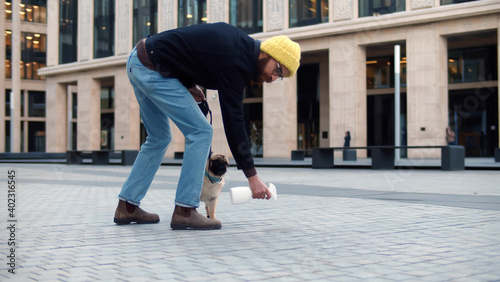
[216,56]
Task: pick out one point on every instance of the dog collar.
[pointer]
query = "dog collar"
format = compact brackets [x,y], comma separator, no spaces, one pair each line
[213,179]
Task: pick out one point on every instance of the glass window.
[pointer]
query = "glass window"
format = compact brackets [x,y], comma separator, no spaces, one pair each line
[473,115]
[380,120]
[107,131]
[33,54]
[36,104]
[253,91]
[7,102]
[22,137]
[36,136]
[104,28]
[308,12]
[368,8]
[472,64]
[454,66]
[8,9]
[8,43]
[29,70]
[73,125]
[246,15]
[8,53]
[254,128]
[192,12]
[68,29]
[380,72]
[34,11]
[7,136]
[145,18]
[75,105]
[107,97]
[8,69]
[308,104]
[30,10]
[107,114]
[22,104]
[74,135]
[445,2]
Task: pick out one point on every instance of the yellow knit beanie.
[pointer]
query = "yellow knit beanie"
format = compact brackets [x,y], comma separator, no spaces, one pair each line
[283,50]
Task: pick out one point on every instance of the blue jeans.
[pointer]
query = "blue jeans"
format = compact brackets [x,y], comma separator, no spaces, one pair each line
[161,99]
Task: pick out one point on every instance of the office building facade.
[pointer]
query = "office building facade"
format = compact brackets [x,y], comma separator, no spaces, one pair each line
[22,91]
[448,70]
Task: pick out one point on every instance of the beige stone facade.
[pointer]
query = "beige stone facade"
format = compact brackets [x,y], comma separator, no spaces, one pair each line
[14,28]
[339,47]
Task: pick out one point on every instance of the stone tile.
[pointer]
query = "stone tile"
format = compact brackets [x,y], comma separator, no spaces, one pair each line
[300,237]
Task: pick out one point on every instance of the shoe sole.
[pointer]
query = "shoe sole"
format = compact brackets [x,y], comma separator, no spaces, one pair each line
[129,221]
[192,227]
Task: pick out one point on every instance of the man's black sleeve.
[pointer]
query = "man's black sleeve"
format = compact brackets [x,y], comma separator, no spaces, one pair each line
[231,102]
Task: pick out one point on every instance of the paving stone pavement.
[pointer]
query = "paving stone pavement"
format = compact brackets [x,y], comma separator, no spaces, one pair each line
[336,225]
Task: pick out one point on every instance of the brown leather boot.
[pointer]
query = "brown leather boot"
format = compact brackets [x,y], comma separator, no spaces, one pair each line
[127,213]
[190,218]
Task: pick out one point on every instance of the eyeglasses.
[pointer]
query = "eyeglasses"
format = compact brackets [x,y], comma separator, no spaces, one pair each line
[278,71]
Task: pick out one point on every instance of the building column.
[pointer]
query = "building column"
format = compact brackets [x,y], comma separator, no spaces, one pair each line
[56,96]
[280,118]
[167,14]
[53,33]
[342,10]
[85,30]
[348,92]
[427,90]
[127,116]
[89,114]
[218,11]
[123,27]
[324,104]
[275,12]
[56,116]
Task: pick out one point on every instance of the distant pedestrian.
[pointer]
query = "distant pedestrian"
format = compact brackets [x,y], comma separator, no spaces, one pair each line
[450,136]
[347,139]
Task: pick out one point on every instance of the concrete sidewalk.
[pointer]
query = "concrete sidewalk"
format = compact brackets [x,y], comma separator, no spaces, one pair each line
[337,225]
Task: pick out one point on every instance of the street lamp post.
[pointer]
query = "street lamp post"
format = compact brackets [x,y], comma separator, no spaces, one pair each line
[397,101]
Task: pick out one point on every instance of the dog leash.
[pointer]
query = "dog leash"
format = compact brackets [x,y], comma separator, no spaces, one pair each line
[205,109]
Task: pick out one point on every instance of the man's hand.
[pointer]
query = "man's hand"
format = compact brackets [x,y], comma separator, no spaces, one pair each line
[197,93]
[259,188]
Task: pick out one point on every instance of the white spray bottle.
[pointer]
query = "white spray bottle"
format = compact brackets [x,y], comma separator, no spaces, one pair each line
[241,195]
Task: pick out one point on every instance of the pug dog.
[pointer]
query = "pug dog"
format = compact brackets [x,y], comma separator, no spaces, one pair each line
[213,182]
